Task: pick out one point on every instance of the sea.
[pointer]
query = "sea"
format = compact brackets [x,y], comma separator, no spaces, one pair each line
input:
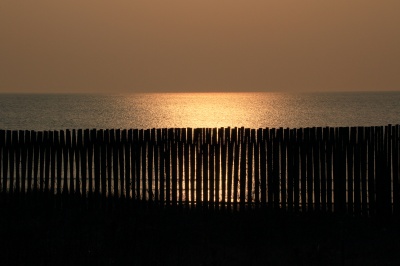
[197,110]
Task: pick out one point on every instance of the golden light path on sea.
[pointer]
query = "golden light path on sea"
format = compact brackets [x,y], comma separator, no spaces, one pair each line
[199,110]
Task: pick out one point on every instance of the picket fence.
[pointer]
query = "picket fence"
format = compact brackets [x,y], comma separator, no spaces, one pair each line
[352,170]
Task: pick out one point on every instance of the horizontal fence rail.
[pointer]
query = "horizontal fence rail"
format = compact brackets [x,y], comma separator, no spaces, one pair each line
[352,170]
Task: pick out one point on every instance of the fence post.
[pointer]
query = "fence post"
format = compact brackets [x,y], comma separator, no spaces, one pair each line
[387,164]
[167,153]
[288,135]
[322,134]
[135,162]
[192,150]
[236,141]
[329,167]
[199,159]
[218,171]
[4,159]
[396,185]
[81,187]
[128,162]
[114,159]
[314,137]
[97,139]
[242,176]
[157,171]
[65,143]
[162,166]
[380,175]
[89,151]
[363,159]
[270,179]
[36,138]
[250,177]
[120,165]
[29,143]
[46,156]
[174,162]
[205,155]
[180,171]
[107,167]
[257,170]
[72,166]
[185,151]
[150,161]
[11,138]
[282,165]
[296,164]
[309,154]
[211,187]
[78,160]
[102,136]
[263,168]
[19,160]
[52,152]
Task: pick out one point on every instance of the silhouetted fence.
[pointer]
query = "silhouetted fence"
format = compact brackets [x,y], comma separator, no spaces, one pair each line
[349,170]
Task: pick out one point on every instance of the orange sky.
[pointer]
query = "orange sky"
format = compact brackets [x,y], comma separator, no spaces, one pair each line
[199,45]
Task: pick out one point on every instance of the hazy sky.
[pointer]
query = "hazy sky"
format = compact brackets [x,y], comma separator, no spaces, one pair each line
[199,45]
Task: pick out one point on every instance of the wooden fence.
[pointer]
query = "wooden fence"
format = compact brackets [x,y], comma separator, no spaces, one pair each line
[347,170]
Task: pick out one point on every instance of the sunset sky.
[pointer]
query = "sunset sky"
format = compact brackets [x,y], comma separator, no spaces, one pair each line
[199,45]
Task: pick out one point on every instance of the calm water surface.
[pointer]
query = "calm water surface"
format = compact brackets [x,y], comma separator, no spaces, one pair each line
[254,110]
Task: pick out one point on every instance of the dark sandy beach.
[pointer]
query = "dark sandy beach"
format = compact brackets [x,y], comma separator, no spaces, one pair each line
[33,234]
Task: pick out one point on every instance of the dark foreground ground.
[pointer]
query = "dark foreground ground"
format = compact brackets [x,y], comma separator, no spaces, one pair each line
[36,234]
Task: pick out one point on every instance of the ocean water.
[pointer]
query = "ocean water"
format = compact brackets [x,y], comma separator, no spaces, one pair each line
[168,110]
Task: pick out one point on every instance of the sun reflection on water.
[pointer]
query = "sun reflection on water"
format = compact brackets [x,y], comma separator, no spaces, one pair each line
[207,109]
